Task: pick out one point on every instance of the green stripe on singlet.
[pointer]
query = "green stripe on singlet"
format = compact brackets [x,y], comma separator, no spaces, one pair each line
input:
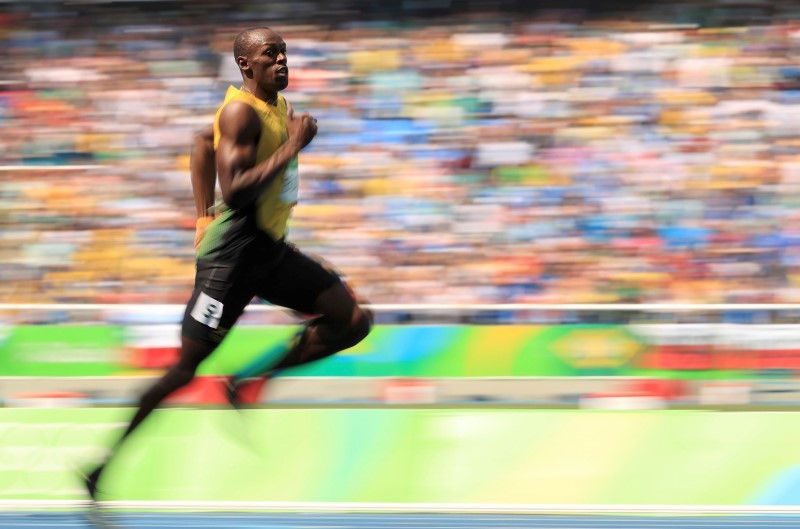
[214,234]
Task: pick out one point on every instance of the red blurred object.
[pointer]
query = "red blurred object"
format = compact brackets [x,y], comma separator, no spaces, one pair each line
[661,389]
[201,390]
[154,357]
[211,390]
[400,390]
[667,389]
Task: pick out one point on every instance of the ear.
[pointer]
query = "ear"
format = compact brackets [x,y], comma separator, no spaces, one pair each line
[243,63]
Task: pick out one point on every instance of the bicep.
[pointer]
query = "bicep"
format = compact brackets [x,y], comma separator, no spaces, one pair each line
[236,151]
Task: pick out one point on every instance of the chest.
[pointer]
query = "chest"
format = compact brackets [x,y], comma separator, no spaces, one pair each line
[273,131]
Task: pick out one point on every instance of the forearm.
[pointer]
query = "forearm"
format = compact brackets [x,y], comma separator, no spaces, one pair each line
[204,176]
[248,184]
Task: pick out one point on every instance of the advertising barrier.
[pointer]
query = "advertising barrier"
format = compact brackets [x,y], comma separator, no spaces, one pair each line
[688,351]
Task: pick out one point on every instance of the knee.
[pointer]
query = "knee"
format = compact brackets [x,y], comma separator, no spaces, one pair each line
[346,333]
[370,315]
[361,324]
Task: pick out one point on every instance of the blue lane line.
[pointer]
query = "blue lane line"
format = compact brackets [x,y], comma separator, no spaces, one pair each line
[383,521]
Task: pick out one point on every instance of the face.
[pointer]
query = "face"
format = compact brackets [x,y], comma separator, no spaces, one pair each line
[267,61]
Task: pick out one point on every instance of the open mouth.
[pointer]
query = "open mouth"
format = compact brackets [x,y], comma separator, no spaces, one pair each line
[283,70]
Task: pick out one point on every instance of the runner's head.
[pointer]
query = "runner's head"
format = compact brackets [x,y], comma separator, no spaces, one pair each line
[260,54]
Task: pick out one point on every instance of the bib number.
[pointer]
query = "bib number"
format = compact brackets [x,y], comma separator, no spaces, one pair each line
[207,310]
[291,183]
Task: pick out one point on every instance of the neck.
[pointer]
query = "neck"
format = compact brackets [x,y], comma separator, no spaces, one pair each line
[268,97]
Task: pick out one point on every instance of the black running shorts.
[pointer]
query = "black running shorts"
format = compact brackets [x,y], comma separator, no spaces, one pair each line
[277,272]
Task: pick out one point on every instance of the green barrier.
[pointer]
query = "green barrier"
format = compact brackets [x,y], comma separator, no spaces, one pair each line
[712,351]
[414,456]
[53,350]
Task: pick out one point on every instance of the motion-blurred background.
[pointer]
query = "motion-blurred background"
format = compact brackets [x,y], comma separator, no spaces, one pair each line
[479,164]
[469,151]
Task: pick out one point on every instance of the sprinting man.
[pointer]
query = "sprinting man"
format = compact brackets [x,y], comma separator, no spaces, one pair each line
[242,253]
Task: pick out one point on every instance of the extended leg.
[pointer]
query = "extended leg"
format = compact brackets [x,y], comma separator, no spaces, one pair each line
[218,300]
[192,353]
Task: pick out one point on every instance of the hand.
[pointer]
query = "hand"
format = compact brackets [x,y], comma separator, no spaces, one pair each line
[301,129]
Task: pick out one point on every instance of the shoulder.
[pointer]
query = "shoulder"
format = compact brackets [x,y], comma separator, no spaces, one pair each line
[238,118]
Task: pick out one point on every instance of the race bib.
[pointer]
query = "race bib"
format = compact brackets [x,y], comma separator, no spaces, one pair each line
[207,310]
[291,183]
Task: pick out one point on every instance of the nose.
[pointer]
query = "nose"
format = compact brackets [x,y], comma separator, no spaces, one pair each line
[281,59]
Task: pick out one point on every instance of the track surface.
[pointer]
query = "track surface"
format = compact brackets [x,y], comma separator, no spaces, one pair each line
[384,521]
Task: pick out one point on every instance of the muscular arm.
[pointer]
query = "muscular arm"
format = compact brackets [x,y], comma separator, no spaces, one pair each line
[240,179]
[203,170]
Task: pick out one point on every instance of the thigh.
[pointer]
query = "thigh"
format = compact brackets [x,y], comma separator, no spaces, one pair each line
[296,281]
[221,293]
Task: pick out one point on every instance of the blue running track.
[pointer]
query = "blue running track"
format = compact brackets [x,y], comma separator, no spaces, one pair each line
[389,521]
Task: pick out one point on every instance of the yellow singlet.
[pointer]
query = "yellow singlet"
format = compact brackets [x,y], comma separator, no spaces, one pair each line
[275,204]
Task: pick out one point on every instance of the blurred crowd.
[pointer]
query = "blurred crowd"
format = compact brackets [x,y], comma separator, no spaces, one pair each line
[505,156]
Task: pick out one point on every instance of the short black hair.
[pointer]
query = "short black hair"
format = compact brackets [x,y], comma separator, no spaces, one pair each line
[247,39]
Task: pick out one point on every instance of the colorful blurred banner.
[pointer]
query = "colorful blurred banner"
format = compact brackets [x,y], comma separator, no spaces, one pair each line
[417,456]
[42,350]
[691,351]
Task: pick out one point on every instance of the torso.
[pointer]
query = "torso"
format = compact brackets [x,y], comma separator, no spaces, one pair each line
[235,229]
